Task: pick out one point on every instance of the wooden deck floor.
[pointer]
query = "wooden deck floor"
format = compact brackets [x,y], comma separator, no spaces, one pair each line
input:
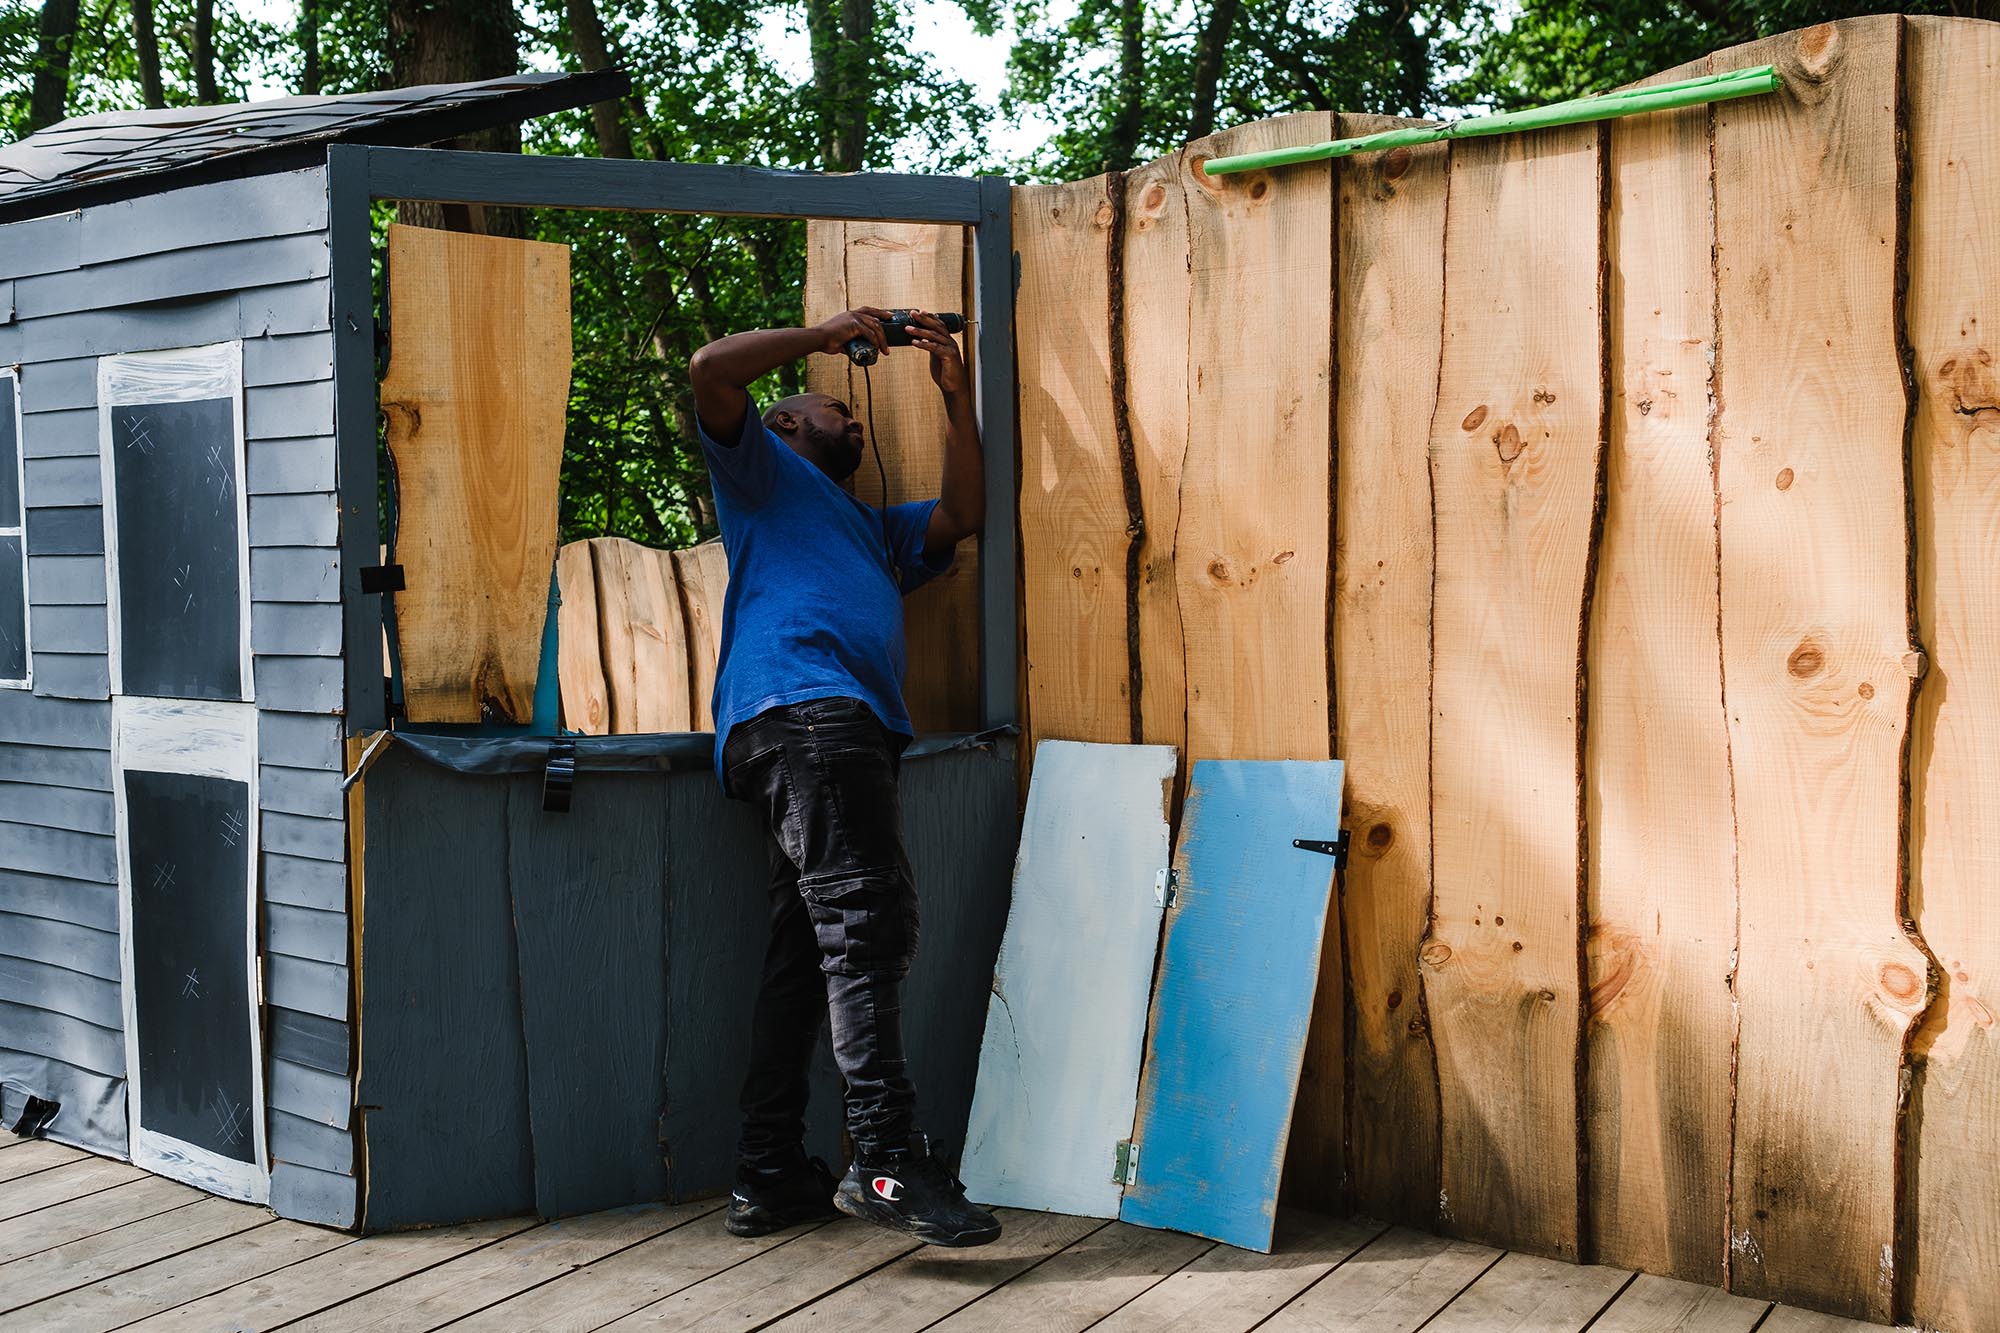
[87,1243]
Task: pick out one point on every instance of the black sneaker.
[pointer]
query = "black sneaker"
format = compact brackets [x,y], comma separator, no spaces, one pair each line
[771,1199]
[914,1192]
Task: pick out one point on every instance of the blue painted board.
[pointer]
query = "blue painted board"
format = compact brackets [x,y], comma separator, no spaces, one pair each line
[1238,968]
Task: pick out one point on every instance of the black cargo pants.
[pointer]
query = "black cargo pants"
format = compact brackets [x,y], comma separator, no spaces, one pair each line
[843,920]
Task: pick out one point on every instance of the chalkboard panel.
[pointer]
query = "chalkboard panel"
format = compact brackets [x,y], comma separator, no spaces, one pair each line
[190,961]
[13,612]
[180,604]
[10,454]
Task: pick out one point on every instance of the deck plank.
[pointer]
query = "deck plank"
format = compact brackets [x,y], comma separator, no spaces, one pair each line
[180,1278]
[1094,1276]
[61,1223]
[329,1279]
[1530,1294]
[930,1283]
[1654,1304]
[1229,1290]
[527,1259]
[37,1155]
[1790,1319]
[121,1249]
[777,1282]
[1391,1286]
[72,1180]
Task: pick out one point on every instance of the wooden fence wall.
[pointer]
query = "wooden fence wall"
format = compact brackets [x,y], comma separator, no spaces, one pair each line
[1622,504]
[639,630]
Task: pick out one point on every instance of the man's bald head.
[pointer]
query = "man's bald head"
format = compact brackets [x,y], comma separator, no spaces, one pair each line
[820,429]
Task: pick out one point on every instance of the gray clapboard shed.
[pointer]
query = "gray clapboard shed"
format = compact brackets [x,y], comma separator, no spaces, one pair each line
[535,1011]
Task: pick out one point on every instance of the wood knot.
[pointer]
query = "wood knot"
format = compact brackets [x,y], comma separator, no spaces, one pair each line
[1915,663]
[1818,48]
[1260,189]
[1155,197]
[1544,396]
[1218,570]
[1379,837]
[1101,219]
[1865,690]
[1518,946]
[1807,660]
[1474,419]
[1507,442]
[1785,479]
[1395,999]
[1282,556]
[1547,996]
[1396,163]
[1435,954]
[1901,983]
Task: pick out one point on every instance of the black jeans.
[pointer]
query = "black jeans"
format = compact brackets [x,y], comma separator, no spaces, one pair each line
[843,920]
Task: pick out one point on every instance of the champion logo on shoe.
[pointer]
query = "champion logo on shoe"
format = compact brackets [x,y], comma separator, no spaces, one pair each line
[887,1187]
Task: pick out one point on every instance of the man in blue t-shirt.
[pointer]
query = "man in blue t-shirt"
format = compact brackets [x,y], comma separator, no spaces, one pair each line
[810,728]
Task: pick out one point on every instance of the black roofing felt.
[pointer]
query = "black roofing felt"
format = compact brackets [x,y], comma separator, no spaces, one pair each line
[119,154]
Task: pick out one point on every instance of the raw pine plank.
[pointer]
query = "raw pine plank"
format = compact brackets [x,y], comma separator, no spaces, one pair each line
[1818,659]
[778,1281]
[1790,1319]
[1155,258]
[614,618]
[1525,1292]
[900,265]
[1953,319]
[1229,1290]
[579,663]
[37,1155]
[1663,1305]
[306,1288]
[1662,877]
[1514,452]
[476,399]
[184,1277]
[1392,1286]
[1085,1282]
[931,1282]
[1074,522]
[631,1279]
[703,575]
[1390,258]
[488,1276]
[61,1223]
[72,1180]
[1058,1080]
[1255,514]
[109,1253]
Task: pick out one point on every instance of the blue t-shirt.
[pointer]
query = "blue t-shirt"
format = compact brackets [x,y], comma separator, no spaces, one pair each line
[814,608]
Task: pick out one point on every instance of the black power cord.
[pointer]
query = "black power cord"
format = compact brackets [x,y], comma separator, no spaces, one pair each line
[874,444]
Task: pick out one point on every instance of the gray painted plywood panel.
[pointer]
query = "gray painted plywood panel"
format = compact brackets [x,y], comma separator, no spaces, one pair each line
[309,1143]
[93,1104]
[305,932]
[66,943]
[41,722]
[295,629]
[73,902]
[300,882]
[49,851]
[278,573]
[300,307]
[298,740]
[57,483]
[287,411]
[89,770]
[290,467]
[71,433]
[50,386]
[309,1040]
[41,245]
[36,984]
[66,531]
[287,359]
[72,675]
[172,276]
[307,986]
[299,684]
[57,807]
[275,205]
[59,1037]
[302,791]
[294,520]
[66,580]
[306,1195]
[70,629]
[312,1094]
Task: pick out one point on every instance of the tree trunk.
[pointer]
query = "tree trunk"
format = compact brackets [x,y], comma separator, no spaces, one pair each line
[842,35]
[586,32]
[457,41]
[308,45]
[147,42]
[1121,148]
[1214,44]
[49,100]
[205,91]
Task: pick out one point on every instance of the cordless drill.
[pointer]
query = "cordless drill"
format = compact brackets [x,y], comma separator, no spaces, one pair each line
[896,332]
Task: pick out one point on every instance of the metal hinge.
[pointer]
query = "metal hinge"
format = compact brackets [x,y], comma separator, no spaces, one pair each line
[1125,1169]
[1337,849]
[1166,886]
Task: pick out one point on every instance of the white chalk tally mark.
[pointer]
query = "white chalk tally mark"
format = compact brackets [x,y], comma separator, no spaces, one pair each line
[230,1117]
[184,580]
[232,828]
[221,477]
[140,439]
[191,985]
[163,876]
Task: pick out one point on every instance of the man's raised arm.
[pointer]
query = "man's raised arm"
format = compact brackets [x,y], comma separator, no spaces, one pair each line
[961,510]
[723,371]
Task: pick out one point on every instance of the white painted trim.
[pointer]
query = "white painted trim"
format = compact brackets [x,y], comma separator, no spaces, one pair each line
[248,1181]
[185,374]
[19,528]
[194,736]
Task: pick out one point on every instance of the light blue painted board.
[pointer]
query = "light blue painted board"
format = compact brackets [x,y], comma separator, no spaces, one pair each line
[1059,1065]
[1238,968]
